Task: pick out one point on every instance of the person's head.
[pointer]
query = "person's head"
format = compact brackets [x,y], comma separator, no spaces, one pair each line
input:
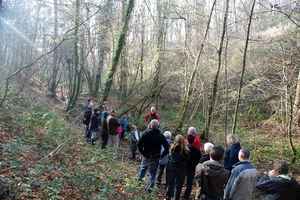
[123,117]
[231,139]
[154,124]
[90,100]
[97,110]
[133,128]
[207,147]
[168,134]
[281,167]
[190,139]
[192,131]
[114,113]
[244,154]
[91,105]
[105,115]
[179,142]
[106,108]
[216,153]
[153,110]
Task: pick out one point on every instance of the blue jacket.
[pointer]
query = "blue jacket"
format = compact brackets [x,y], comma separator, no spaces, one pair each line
[165,159]
[241,182]
[123,123]
[279,188]
[232,156]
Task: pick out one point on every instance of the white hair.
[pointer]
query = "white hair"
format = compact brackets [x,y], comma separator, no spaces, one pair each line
[192,130]
[208,146]
[154,123]
[168,134]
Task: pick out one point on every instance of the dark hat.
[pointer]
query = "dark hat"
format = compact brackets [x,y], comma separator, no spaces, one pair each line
[96,109]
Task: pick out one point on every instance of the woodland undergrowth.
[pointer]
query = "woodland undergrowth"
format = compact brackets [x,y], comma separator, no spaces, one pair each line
[45,156]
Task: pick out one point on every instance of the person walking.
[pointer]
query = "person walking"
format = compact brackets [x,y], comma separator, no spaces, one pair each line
[150,146]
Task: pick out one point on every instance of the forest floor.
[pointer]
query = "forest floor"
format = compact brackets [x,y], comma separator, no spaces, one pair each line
[45,156]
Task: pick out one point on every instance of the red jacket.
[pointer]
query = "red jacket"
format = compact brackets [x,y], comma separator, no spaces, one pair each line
[197,142]
[149,114]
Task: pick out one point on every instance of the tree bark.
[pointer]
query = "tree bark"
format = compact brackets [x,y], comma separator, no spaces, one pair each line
[188,91]
[243,69]
[211,105]
[120,45]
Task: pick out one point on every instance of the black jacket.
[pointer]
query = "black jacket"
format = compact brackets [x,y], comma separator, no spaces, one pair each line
[204,158]
[94,123]
[87,116]
[178,160]
[104,128]
[150,143]
[112,125]
[278,188]
[195,155]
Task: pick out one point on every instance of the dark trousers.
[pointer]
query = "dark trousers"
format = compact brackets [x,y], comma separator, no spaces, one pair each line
[175,183]
[122,134]
[189,184]
[161,169]
[104,140]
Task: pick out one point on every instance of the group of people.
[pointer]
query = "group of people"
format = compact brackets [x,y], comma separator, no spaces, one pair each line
[218,174]
[105,122]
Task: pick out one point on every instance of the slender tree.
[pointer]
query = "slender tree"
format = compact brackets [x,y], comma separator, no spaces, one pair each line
[243,68]
[211,105]
[116,57]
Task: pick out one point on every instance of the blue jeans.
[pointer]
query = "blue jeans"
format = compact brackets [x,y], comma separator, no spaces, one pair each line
[175,183]
[153,163]
[189,184]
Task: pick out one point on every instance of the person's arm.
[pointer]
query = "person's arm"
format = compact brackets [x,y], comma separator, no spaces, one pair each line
[232,159]
[231,185]
[166,147]
[158,117]
[147,116]
[128,117]
[140,144]
[132,137]
[264,184]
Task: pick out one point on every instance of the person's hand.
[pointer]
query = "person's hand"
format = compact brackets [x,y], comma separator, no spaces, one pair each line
[129,116]
[272,173]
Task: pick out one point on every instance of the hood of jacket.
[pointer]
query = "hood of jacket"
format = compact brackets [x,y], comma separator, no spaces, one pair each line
[212,168]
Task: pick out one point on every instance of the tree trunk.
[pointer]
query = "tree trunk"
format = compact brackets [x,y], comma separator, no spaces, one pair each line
[243,69]
[188,91]
[75,84]
[212,102]
[120,45]
[53,83]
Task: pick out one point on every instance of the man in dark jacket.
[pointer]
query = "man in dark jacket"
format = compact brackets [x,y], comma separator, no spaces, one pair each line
[277,185]
[112,125]
[87,117]
[94,123]
[149,146]
[211,175]
[195,155]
